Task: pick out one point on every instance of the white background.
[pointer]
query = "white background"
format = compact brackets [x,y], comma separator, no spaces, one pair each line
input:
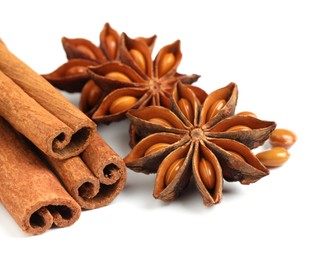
[280,54]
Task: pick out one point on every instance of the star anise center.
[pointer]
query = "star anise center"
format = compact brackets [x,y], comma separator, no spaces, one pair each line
[155,86]
[159,87]
[197,134]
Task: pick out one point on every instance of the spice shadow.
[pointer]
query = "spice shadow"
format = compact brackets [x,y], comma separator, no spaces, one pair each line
[191,199]
[117,136]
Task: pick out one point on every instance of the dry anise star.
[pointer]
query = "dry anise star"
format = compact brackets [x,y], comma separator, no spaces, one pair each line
[205,142]
[137,81]
[73,76]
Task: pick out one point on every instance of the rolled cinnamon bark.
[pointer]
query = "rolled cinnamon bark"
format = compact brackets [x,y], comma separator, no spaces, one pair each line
[28,117]
[29,191]
[96,178]
[83,185]
[103,161]
[52,100]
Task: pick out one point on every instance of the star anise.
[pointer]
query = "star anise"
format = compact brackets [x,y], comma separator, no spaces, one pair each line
[81,53]
[137,81]
[205,142]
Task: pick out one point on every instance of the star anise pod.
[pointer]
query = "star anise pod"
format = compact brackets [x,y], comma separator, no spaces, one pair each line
[205,142]
[81,53]
[138,81]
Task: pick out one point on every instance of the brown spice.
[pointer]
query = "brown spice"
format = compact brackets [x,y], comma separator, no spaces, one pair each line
[246,113]
[281,137]
[273,157]
[140,79]
[103,161]
[72,76]
[95,178]
[28,189]
[80,128]
[46,131]
[195,145]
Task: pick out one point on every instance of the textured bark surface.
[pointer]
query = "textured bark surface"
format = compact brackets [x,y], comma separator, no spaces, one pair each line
[28,189]
[32,120]
[50,99]
[95,178]
[103,161]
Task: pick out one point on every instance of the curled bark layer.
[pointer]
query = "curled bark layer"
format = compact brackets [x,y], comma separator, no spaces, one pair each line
[30,192]
[43,96]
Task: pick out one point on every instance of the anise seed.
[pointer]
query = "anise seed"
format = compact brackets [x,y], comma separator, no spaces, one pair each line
[186,109]
[94,93]
[238,128]
[282,138]
[118,76]
[215,108]
[274,157]
[75,70]
[160,121]
[247,113]
[166,63]
[139,59]
[207,174]
[235,154]
[86,51]
[122,103]
[111,45]
[156,147]
[173,170]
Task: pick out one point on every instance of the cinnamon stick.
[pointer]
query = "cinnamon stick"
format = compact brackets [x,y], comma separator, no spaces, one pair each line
[43,129]
[103,161]
[95,180]
[29,191]
[50,99]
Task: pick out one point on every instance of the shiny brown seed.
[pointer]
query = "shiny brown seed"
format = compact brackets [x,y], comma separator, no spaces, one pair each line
[214,109]
[238,128]
[160,121]
[166,63]
[173,170]
[207,174]
[94,94]
[75,70]
[86,51]
[122,103]
[111,45]
[186,109]
[246,113]
[237,155]
[282,138]
[118,76]
[138,58]
[274,157]
[156,147]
